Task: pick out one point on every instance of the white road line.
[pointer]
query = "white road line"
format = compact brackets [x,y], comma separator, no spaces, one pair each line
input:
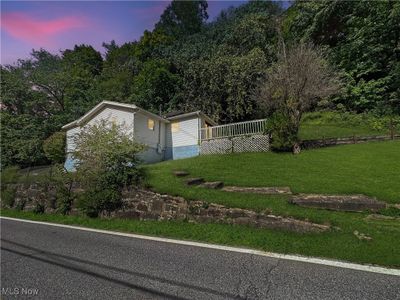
[313,260]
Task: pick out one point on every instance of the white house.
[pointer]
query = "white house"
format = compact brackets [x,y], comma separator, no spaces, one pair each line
[173,136]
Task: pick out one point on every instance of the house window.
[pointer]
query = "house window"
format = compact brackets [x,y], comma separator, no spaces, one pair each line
[150,124]
[175,127]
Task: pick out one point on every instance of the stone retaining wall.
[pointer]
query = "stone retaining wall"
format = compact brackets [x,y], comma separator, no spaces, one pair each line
[148,205]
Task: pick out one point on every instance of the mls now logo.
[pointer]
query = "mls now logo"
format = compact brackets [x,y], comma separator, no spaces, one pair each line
[19,291]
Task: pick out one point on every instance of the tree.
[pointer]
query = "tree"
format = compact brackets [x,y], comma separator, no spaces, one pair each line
[107,157]
[363,38]
[294,84]
[183,17]
[54,147]
[155,86]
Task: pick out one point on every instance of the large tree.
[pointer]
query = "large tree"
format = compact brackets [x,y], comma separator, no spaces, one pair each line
[363,38]
[294,84]
[183,17]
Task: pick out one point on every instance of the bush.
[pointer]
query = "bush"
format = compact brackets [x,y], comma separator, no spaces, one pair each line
[54,147]
[283,134]
[7,196]
[63,182]
[10,175]
[107,162]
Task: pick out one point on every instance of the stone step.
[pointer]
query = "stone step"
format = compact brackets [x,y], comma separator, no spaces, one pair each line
[194,181]
[213,185]
[258,190]
[179,173]
[356,203]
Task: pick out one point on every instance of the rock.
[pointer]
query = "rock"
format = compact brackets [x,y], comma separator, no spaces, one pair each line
[356,203]
[213,185]
[258,190]
[291,224]
[379,217]
[194,181]
[180,173]
[362,236]
[142,206]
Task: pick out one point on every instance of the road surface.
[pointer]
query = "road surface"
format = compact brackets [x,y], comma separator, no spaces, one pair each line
[46,262]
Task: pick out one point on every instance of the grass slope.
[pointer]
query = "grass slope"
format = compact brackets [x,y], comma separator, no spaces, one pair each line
[372,169]
[317,125]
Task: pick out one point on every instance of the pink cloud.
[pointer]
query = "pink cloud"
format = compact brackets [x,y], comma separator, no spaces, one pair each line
[39,32]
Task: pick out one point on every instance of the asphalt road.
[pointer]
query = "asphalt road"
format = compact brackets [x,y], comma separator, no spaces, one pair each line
[63,263]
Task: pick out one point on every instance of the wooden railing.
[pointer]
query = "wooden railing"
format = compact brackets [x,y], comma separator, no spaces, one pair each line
[233,129]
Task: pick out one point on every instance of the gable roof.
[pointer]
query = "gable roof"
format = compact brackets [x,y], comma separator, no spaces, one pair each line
[180,115]
[104,104]
[169,117]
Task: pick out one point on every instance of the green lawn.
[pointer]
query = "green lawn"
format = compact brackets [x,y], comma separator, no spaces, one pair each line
[317,125]
[372,169]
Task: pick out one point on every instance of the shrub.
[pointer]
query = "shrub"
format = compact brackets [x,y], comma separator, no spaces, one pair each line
[63,182]
[7,196]
[54,147]
[283,135]
[107,162]
[10,175]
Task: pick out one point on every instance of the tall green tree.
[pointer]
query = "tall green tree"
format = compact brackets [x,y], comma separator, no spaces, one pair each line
[183,17]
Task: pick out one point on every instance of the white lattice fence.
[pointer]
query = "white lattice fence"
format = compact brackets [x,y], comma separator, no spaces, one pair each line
[217,146]
[254,143]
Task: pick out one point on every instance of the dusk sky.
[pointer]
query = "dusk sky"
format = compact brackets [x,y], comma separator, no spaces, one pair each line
[59,25]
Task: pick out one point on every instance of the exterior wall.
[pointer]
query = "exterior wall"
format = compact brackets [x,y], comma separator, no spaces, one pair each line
[154,139]
[135,124]
[70,162]
[183,143]
[121,116]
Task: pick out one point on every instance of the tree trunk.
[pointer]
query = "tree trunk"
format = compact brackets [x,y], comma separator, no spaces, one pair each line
[296,148]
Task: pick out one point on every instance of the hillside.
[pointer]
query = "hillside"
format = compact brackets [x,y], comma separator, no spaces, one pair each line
[372,169]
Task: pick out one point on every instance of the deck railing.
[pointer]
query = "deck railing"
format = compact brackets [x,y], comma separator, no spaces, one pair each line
[233,129]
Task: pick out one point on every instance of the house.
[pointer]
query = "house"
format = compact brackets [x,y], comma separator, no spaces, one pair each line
[173,136]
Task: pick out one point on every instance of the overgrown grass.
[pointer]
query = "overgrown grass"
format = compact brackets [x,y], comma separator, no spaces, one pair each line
[318,125]
[341,244]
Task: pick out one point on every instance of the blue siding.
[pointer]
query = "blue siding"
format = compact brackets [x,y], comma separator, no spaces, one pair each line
[185,151]
[168,153]
[70,163]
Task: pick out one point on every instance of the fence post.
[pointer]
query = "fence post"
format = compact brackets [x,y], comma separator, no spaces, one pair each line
[391,125]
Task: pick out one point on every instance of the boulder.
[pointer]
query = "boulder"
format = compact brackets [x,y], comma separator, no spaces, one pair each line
[213,185]
[194,181]
[180,173]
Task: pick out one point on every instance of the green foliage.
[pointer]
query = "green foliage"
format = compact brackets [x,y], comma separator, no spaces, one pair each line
[54,147]
[9,175]
[63,182]
[391,212]
[7,196]
[187,63]
[183,17]
[155,86]
[283,134]
[363,38]
[107,162]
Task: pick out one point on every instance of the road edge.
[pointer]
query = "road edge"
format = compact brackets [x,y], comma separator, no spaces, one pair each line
[299,258]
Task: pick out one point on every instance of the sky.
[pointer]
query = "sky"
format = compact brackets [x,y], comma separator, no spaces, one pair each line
[59,25]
